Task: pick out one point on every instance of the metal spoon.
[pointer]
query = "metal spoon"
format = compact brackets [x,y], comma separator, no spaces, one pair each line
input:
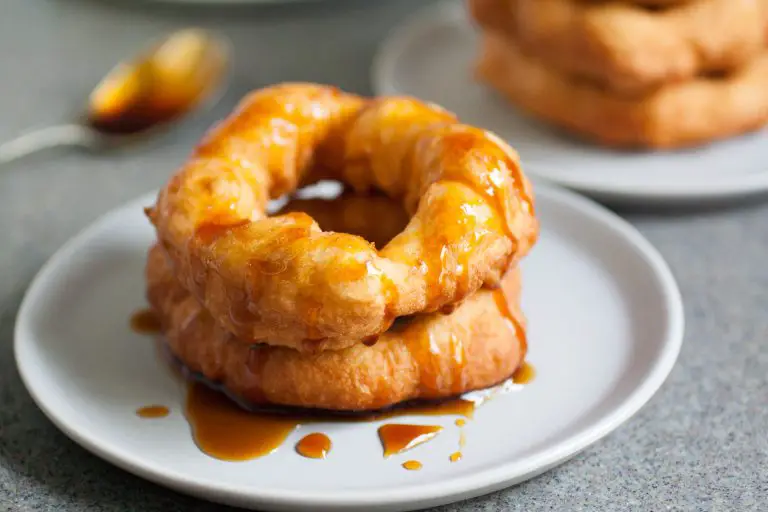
[176,75]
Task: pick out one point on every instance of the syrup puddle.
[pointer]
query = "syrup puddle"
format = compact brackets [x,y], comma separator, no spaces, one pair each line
[396,438]
[145,321]
[524,374]
[224,430]
[153,411]
[412,465]
[314,446]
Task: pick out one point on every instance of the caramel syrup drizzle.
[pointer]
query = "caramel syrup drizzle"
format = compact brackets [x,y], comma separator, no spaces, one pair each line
[153,411]
[145,321]
[314,446]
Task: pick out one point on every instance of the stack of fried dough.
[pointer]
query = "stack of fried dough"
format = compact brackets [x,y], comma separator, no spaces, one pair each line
[630,73]
[405,288]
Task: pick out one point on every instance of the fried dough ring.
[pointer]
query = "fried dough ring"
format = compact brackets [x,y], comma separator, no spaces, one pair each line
[678,115]
[627,48]
[283,281]
[429,357]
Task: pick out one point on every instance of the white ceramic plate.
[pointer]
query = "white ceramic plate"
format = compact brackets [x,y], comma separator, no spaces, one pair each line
[606,324]
[431,56]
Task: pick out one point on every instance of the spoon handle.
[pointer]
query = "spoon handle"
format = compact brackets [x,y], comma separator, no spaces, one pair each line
[44,138]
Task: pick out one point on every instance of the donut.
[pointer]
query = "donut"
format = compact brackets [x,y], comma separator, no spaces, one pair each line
[424,357]
[627,48]
[675,116]
[282,280]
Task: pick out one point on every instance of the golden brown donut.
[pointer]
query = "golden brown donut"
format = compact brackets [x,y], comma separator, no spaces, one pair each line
[677,115]
[627,48]
[428,356]
[282,280]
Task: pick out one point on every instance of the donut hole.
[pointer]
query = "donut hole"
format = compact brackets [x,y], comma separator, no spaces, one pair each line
[325,189]
[717,75]
[647,6]
[660,8]
[372,216]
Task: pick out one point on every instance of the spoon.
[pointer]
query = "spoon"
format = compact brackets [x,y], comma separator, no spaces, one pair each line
[176,75]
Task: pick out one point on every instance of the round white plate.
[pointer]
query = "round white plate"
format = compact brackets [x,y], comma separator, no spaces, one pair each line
[431,56]
[606,324]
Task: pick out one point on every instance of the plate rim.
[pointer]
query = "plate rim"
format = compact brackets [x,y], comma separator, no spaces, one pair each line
[401,37]
[433,493]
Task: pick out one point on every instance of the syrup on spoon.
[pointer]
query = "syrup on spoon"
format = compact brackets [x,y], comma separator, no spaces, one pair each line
[167,81]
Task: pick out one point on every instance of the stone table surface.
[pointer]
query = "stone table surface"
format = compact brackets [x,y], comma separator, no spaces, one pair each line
[700,444]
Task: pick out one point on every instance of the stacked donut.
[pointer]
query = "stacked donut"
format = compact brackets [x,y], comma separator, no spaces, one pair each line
[630,73]
[296,308]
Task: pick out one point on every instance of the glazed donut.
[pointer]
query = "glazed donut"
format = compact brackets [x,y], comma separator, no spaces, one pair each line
[281,280]
[625,48]
[433,356]
[675,116]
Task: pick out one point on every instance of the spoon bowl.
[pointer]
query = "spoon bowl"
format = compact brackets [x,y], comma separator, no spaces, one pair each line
[181,73]
[172,78]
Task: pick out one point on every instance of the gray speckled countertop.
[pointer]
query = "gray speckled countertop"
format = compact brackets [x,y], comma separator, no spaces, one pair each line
[700,444]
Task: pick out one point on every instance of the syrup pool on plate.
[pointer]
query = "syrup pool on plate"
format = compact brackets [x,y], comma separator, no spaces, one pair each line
[226,431]
[314,446]
[223,429]
[153,411]
[412,465]
[397,438]
[145,321]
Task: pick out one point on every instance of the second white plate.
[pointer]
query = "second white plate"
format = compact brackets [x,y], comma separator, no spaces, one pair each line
[431,57]
[606,324]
